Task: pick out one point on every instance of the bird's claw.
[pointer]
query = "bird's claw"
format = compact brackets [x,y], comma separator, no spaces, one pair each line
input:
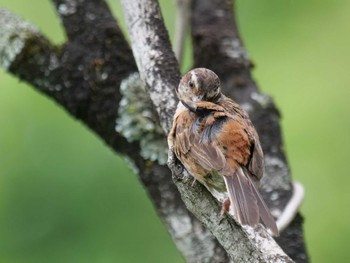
[224,209]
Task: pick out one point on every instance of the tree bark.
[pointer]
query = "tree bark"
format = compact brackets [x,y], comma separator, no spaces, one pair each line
[85,81]
[84,76]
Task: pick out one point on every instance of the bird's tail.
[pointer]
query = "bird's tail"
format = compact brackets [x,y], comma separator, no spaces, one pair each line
[248,205]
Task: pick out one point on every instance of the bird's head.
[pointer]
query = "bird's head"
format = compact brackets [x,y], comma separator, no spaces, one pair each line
[199,84]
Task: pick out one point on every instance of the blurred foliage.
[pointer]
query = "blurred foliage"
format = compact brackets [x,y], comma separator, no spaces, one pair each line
[65,197]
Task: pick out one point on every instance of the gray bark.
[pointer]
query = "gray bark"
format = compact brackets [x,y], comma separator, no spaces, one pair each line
[84,76]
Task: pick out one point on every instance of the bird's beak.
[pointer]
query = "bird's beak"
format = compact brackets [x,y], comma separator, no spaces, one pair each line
[189,104]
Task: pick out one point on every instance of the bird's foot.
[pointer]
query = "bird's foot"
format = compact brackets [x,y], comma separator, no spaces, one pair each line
[225,207]
[194,181]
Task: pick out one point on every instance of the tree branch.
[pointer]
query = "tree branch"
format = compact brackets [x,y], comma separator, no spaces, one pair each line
[82,20]
[82,82]
[145,23]
[159,66]
[84,76]
[219,47]
[85,81]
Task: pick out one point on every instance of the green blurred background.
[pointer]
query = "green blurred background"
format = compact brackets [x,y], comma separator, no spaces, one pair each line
[65,197]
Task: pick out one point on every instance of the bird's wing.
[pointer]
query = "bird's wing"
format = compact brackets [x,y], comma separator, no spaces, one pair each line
[179,135]
[256,161]
[203,149]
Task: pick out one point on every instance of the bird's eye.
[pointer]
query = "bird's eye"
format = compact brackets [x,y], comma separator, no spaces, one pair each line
[191,84]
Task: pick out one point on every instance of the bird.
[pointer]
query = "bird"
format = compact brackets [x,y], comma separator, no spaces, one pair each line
[216,142]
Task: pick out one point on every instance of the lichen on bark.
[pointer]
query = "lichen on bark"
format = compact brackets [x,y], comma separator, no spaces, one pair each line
[15,34]
[137,120]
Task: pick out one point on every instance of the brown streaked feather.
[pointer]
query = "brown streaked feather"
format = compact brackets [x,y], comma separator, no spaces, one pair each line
[183,144]
[209,106]
[236,143]
[211,131]
[179,135]
[208,156]
[256,162]
[233,109]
